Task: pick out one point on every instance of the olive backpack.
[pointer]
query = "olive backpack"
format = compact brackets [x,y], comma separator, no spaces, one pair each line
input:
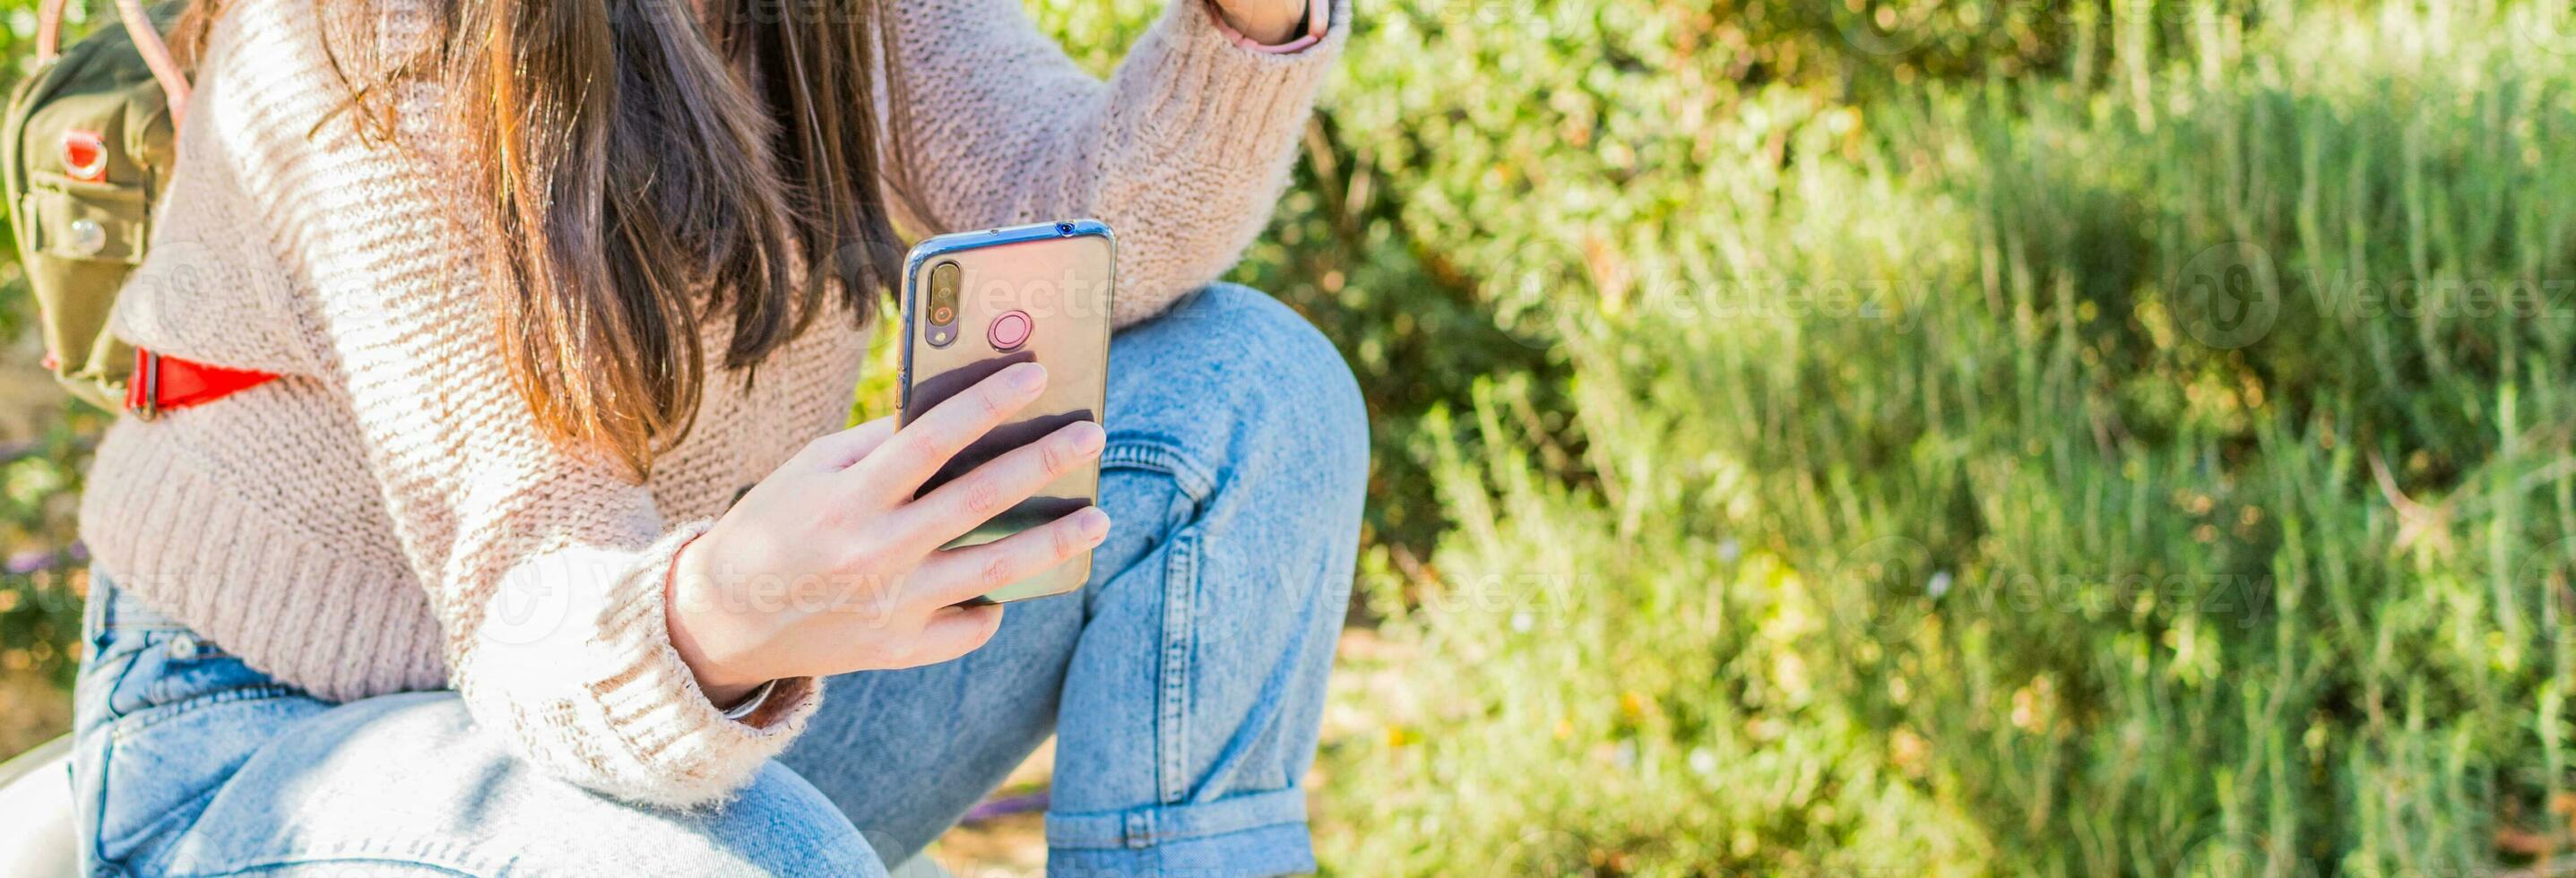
[87,148]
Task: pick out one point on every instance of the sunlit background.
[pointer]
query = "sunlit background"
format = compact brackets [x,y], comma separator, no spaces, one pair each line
[2075,438]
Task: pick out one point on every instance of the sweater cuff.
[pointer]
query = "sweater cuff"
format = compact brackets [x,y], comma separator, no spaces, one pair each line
[1206,78]
[660,714]
[596,694]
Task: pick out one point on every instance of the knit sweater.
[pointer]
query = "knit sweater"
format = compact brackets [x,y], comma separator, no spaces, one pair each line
[388,516]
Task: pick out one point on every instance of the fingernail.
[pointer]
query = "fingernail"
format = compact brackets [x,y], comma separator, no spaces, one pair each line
[1028,377]
[1094,523]
[1088,437]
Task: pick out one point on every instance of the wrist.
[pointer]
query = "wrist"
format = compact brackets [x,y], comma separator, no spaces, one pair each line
[1266,22]
[684,599]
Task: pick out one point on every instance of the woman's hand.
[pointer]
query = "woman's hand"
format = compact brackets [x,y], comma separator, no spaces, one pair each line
[830,565]
[1268,22]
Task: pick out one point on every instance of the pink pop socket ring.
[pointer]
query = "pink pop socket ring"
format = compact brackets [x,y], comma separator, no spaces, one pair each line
[1008,331]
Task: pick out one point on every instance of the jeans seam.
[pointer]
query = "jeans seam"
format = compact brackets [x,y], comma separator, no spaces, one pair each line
[276,863]
[1171,727]
[445,856]
[98,822]
[1160,455]
[1160,824]
[118,728]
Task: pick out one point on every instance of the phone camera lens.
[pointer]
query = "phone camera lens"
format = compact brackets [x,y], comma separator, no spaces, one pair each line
[1064,228]
[945,279]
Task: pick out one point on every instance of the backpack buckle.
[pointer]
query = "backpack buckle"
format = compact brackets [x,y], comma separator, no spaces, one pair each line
[143,390]
[162,383]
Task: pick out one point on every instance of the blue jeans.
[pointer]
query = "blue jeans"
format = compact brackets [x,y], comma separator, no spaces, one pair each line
[1183,684]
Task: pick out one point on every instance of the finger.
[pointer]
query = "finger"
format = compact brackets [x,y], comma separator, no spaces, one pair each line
[954,631]
[833,452]
[993,488]
[963,574]
[918,450]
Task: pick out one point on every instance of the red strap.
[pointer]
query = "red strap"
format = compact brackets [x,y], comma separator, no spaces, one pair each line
[160,383]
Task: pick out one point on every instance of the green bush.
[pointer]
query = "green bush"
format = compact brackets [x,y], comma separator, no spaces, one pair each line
[2159,473]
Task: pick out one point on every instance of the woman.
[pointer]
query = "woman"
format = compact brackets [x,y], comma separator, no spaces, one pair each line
[539,547]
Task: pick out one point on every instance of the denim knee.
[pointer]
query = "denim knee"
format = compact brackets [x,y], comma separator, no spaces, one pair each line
[780,825]
[1313,401]
[1290,403]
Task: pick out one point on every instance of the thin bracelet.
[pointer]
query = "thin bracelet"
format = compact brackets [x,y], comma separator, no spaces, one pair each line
[750,703]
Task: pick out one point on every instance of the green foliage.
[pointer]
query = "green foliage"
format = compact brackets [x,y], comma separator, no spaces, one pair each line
[2155,465]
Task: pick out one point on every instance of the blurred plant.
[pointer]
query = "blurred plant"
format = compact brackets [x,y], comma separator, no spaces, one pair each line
[44,445]
[2156,463]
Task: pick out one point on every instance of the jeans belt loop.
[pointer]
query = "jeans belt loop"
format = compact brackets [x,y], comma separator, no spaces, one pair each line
[1140,829]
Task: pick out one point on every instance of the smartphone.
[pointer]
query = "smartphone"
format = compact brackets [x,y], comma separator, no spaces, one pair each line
[975,302]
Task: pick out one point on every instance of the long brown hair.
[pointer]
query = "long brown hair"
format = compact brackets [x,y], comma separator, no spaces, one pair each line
[646,169]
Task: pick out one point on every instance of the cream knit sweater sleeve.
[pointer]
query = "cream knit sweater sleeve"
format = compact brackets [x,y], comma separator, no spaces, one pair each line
[1182,152]
[544,570]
